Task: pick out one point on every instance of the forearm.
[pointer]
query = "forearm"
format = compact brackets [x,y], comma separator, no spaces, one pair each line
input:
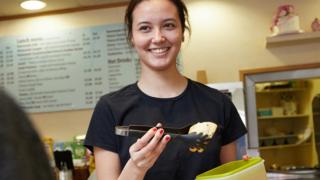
[144,153]
[228,153]
[132,172]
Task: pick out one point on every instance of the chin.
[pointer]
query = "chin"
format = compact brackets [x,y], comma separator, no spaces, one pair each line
[160,66]
[158,63]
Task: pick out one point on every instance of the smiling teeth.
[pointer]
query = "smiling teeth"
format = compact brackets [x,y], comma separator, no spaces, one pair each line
[159,50]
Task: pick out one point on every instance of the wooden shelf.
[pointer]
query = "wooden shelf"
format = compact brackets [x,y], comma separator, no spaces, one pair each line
[282,136]
[278,136]
[306,36]
[285,117]
[280,90]
[284,146]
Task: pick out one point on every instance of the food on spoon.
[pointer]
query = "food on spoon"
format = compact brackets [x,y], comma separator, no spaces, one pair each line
[206,128]
[193,149]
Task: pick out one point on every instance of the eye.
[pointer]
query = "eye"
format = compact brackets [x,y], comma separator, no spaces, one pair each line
[169,26]
[144,28]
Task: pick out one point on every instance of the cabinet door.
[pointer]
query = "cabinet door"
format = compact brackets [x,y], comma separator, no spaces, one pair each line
[283,118]
[316,121]
[287,154]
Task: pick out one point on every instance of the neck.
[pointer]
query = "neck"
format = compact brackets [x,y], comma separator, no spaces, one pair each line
[162,84]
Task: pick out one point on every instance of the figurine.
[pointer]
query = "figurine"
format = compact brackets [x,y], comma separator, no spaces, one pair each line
[285,21]
[315,25]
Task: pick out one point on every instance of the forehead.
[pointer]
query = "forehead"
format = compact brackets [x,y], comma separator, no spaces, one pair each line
[155,9]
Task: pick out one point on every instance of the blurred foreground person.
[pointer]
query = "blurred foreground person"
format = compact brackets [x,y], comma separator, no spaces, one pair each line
[23,156]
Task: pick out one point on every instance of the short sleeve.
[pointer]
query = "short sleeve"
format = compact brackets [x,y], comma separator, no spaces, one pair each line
[233,125]
[101,131]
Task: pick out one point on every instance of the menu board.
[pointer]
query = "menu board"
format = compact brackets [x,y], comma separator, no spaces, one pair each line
[66,70]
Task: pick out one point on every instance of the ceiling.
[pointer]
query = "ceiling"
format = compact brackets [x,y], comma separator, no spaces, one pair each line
[12,7]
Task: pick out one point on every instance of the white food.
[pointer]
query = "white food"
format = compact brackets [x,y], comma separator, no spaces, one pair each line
[206,128]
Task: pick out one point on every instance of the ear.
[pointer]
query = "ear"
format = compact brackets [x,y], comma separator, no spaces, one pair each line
[131,40]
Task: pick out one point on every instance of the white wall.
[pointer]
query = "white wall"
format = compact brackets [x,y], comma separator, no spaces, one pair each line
[227,35]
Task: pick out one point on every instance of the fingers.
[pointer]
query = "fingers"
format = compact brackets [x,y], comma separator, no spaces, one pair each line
[143,141]
[162,144]
[152,156]
[148,148]
[245,157]
[154,142]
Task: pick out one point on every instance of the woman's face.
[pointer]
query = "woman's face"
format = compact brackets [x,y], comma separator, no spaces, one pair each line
[156,34]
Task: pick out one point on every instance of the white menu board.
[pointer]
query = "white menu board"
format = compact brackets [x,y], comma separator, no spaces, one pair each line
[66,70]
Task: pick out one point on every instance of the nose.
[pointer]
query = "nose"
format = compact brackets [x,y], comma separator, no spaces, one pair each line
[158,37]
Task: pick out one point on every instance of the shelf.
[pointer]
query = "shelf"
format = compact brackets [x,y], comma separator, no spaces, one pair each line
[306,36]
[285,129]
[285,117]
[278,136]
[280,90]
[284,146]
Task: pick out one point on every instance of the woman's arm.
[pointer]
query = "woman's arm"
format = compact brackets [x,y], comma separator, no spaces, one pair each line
[107,164]
[228,152]
[143,154]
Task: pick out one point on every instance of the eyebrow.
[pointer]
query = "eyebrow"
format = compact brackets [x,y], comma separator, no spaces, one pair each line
[170,19]
[165,20]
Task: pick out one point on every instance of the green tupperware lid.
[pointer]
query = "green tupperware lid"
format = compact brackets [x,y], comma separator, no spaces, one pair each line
[229,168]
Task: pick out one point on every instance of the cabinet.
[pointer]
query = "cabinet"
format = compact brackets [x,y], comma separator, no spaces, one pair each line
[284,123]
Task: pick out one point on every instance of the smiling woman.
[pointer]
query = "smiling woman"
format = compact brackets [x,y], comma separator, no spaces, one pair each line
[161,98]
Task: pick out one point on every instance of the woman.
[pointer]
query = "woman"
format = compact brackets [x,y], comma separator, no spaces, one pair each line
[161,96]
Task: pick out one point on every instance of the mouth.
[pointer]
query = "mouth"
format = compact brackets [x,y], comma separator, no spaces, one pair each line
[159,51]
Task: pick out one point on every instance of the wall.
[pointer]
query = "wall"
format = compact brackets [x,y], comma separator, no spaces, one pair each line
[227,35]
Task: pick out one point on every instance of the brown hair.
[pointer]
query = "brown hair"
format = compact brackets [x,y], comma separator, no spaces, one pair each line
[179,4]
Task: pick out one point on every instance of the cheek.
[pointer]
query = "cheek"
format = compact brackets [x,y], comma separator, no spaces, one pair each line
[139,41]
[176,38]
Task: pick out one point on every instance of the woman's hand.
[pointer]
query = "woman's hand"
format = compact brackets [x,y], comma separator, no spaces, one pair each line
[245,157]
[148,148]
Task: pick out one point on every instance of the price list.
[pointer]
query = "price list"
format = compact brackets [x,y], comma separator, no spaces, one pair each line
[66,70]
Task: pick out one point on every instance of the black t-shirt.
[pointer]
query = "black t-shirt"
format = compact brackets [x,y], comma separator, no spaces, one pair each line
[198,103]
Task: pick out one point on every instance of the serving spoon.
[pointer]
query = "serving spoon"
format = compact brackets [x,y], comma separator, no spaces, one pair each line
[196,140]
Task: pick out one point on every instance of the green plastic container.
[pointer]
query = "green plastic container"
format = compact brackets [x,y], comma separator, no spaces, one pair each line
[252,169]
